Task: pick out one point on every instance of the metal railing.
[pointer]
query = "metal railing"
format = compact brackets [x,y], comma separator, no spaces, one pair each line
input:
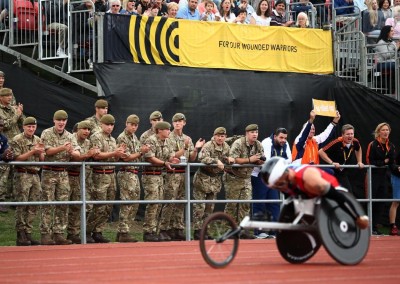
[187,201]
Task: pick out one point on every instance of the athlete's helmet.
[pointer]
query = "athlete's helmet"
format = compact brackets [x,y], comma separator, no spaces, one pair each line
[272,170]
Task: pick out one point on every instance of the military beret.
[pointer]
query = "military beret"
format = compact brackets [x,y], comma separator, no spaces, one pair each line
[84,124]
[5,92]
[220,130]
[29,121]
[60,114]
[155,115]
[133,118]
[161,125]
[101,103]
[2,74]
[107,119]
[251,127]
[178,116]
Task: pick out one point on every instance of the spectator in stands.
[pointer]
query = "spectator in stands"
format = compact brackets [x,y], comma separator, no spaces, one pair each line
[57,20]
[396,3]
[101,5]
[302,21]
[380,153]
[163,9]
[278,16]
[129,8]
[360,4]
[303,6]
[343,7]
[208,14]
[262,17]
[395,21]
[189,12]
[4,13]
[224,14]
[372,19]
[115,7]
[202,7]
[244,4]
[384,6]
[2,80]
[386,49]
[172,9]
[152,11]
[241,17]
[306,145]
[395,180]
[142,6]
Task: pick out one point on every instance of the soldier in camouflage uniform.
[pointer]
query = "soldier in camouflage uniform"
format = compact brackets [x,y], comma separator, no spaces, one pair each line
[80,138]
[104,184]
[155,117]
[55,184]
[160,155]
[2,81]
[128,179]
[101,107]
[6,154]
[27,147]
[246,150]
[207,181]
[13,117]
[172,215]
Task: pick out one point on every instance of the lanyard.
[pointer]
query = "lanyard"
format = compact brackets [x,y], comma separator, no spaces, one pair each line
[348,156]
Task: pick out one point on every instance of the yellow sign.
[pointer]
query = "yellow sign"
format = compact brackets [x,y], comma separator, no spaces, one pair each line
[324,108]
[158,40]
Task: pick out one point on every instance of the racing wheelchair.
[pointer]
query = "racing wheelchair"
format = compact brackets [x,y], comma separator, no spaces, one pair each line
[303,226]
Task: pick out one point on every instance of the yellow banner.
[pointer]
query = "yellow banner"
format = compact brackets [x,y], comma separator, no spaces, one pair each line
[231,46]
[324,108]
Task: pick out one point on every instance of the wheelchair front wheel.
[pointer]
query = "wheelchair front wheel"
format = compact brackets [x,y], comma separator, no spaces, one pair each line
[219,240]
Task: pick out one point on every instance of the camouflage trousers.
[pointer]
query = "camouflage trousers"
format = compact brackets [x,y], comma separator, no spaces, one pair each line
[27,187]
[104,188]
[173,215]
[237,188]
[204,188]
[129,187]
[55,187]
[5,189]
[153,190]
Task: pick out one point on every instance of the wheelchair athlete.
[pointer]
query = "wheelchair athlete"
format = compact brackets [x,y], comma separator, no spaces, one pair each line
[309,180]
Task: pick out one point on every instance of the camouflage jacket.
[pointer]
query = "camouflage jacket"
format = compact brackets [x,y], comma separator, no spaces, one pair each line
[95,123]
[106,143]
[132,145]
[145,135]
[83,147]
[242,149]
[12,122]
[21,145]
[177,142]
[210,153]
[159,149]
[52,139]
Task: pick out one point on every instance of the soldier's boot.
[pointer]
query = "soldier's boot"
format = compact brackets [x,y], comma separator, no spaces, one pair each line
[171,234]
[75,239]
[60,240]
[89,239]
[98,238]
[179,235]
[46,240]
[164,237]
[33,242]
[150,237]
[117,237]
[125,238]
[22,240]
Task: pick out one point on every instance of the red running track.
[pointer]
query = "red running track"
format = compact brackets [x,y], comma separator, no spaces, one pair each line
[257,261]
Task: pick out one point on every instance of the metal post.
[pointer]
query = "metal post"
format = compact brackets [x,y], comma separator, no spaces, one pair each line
[187,195]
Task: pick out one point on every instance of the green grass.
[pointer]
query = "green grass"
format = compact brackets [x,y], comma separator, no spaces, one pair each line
[8,233]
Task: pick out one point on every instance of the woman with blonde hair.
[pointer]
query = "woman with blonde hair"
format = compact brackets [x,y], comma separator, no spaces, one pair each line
[172,9]
[372,19]
[380,153]
[302,21]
